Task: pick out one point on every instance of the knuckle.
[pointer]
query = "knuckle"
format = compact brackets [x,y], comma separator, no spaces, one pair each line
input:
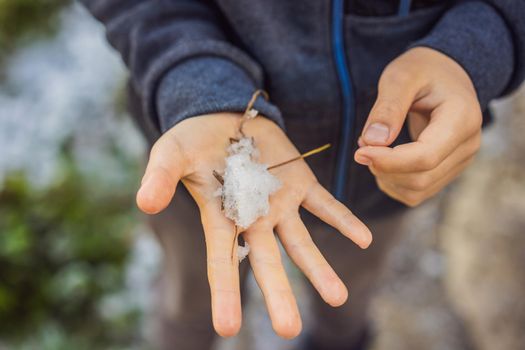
[299,244]
[420,182]
[469,161]
[375,169]
[382,186]
[288,218]
[384,168]
[155,149]
[388,189]
[475,114]
[462,106]
[272,263]
[166,143]
[379,168]
[342,215]
[169,144]
[470,110]
[408,197]
[331,202]
[217,233]
[394,75]
[261,226]
[479,117]
[427,161]
[388,108]
[347,216]
[412,199]
[296,193]
[218,263]
[476,143]
[410,203]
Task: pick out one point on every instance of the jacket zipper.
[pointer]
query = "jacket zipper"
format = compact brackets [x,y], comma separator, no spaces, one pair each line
[348,111]
[404,8]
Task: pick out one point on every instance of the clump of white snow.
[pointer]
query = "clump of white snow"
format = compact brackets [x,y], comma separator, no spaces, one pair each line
[242,251]
[247,184]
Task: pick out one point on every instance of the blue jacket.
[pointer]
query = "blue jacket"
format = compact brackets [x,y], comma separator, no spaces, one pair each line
[319,60]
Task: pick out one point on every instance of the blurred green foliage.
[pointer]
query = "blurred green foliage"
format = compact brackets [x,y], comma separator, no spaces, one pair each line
[62,254]
[21,19]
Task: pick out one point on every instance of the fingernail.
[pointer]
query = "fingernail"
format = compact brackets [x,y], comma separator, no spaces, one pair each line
[363,160]
[377,132]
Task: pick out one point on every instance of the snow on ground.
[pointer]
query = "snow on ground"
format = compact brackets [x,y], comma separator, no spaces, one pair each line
[67,86]
[57,87]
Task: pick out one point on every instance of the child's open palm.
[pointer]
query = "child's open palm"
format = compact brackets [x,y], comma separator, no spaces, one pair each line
[189,152]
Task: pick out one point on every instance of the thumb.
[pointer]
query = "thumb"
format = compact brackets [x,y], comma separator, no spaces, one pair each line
[394,97]
[164,170]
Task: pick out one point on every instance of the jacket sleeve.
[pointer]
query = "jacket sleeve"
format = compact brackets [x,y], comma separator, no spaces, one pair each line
[487,38]
[180,58]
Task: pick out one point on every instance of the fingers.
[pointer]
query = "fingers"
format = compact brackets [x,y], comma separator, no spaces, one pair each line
[268,270]
[164,170]
[322,204]
[451,123]
[421,181]
[413,198]
[396,93]
[300,247]
[412,188]
[223,271]
[448,128]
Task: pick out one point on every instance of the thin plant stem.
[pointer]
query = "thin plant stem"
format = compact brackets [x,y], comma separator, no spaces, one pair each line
[302,156]
[246,116]
[236,234]
[218,177]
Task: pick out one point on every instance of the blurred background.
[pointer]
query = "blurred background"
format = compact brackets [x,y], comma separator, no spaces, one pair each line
[77,262]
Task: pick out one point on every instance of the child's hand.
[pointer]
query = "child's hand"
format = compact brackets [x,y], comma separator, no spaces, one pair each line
[444,119]
[189,152]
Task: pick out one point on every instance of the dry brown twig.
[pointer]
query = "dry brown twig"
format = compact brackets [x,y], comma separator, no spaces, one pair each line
[251,113]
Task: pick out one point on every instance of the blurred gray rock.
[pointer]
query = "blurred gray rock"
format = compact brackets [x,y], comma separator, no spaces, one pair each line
[483,236]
